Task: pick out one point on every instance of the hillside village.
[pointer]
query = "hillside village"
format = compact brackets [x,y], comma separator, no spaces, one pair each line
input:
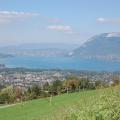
[26,78]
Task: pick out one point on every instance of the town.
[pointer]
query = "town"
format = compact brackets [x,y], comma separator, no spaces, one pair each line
[25,78]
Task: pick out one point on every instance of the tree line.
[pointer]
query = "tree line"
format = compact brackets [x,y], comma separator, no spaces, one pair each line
[10,94]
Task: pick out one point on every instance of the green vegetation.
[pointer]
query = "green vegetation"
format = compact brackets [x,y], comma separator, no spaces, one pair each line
[105,105]
[101,104]
[10,95]
[16,94]
[72,84]
[7,95]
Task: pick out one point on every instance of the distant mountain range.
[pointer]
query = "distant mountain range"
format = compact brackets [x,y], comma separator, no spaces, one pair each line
[2,55]
[39,49]
[105,46]
[41,46]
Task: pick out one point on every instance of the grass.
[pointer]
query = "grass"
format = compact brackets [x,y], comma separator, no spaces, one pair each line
[59,107]
[105,105]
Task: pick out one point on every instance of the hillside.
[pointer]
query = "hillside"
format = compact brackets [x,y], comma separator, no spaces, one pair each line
[67,105]
[40,108]
[103,46]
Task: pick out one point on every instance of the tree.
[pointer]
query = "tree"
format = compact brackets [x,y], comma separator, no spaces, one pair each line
[116,80]
[71,84]
[1,87]
[34,92]
[18,93]
[56,87]
[7,95]
[46,86]
[84,83]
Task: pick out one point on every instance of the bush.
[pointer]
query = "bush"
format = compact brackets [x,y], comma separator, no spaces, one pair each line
[7,95]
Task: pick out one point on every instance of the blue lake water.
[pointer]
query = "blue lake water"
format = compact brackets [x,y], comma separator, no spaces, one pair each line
[60,63]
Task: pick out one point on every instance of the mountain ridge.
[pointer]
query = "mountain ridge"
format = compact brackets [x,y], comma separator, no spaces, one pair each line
[103,46]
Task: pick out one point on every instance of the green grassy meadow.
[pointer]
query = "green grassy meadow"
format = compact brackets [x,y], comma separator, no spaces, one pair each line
[42,109]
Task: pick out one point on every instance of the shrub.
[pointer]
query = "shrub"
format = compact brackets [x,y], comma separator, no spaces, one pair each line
[7,95]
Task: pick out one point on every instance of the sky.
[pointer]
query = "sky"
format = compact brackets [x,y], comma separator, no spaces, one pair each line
[56,21]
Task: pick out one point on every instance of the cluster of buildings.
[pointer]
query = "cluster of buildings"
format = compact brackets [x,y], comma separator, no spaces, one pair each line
[28,78]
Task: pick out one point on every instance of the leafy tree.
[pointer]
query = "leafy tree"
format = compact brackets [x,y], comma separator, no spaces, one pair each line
[56,87]
[116,80]
[33,92]
[18,93]
[72,83]
[1,87]
[84,83]
[46,86]
[7,95]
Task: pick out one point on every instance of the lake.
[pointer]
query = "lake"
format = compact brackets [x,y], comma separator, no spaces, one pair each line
[75,63]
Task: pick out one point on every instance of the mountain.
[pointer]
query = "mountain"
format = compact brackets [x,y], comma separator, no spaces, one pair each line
[39,49]
[105,46]
[2,55]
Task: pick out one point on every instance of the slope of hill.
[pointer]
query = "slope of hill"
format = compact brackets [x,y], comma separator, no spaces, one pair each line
[103,46]
[89,104]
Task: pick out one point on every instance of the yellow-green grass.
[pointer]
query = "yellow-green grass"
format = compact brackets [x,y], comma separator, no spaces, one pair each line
[38,109]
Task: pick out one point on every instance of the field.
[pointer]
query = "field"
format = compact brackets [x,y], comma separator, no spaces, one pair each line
[65,106]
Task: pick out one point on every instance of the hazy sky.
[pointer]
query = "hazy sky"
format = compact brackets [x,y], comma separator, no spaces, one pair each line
[67,21]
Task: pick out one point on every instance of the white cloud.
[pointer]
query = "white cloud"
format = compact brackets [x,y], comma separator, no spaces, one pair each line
[109,21]
[9,16]
[60,28]
[101,20]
